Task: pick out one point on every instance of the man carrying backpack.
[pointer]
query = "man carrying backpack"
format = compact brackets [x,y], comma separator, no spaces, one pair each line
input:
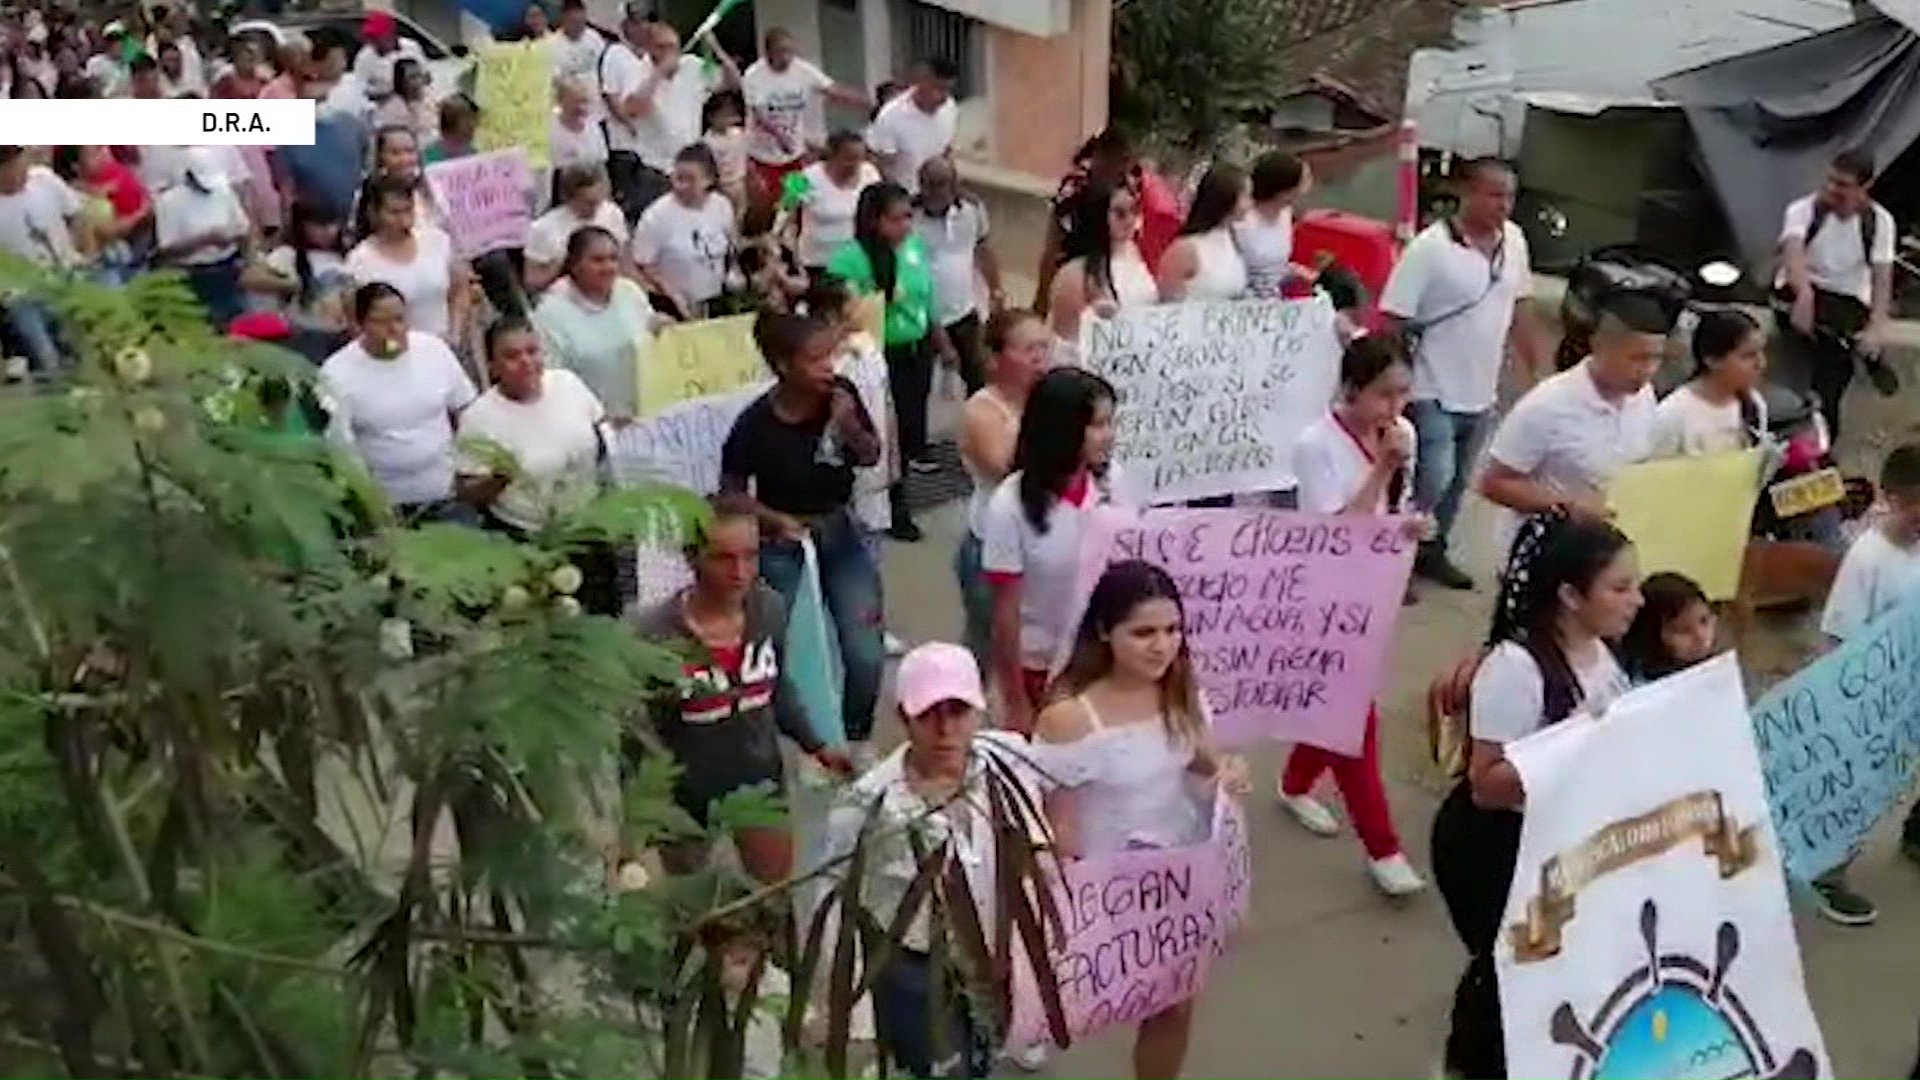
[1835,286]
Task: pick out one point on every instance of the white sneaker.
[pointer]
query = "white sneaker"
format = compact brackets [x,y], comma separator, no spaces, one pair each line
[1312,814]
[1395,876]
[895,647]
[1030,1059]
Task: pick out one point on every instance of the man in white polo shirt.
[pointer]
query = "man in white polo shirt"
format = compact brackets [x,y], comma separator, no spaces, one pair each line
[1836,283]
[916,126]
[1568,436]
[1461,291]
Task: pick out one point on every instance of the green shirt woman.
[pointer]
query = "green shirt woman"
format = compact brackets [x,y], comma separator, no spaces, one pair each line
[885,257]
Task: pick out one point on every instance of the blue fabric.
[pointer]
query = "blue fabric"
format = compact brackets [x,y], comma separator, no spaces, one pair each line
[219,290]
[32,322]
[850,584]
[903,1014]
[976,599]
[1448,445]
[328,172]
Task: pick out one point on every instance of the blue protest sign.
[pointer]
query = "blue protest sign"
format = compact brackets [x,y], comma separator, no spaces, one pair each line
[813,654]
[1840,742]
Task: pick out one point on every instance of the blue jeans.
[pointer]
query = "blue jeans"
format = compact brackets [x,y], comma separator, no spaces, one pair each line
[217,285]
[903,1002]
[1448,444]
[32,322]
[850,583]
[976,599]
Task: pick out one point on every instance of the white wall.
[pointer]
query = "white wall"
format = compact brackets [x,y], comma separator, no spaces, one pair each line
[1041,18]
[1467,100]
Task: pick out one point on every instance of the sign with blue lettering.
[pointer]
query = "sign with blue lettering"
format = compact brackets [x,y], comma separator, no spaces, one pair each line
[1840,742]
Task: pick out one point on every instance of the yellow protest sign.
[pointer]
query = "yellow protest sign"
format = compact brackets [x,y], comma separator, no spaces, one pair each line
[699,359]
[1690,515]
[513,85]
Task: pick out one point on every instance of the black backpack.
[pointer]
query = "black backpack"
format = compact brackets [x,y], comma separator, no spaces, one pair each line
[1869,226]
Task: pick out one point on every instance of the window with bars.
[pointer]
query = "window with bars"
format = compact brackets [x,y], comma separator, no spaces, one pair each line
[922,31]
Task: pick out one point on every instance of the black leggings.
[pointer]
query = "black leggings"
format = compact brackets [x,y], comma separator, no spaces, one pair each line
[910,380]
[1474,852]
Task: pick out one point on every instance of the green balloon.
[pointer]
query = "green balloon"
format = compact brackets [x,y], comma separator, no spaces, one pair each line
[794,189]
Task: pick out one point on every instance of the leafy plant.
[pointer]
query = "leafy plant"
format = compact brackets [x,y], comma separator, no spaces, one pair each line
[243,833]
[1187,72]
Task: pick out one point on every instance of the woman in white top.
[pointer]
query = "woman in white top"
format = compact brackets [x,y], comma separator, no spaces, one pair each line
[1265,235]
[1017,345]
[1031,528]
[407,106]
[1720,408]
[306,280]
[1112,275]
[1572,587]
[418,260]
[1357,459]
[548,423]
[1204,263]
[831,194]
[395,397]
[597,322]
[1128,739]
[576,136]
[582,197]
[683,244]
[395,152]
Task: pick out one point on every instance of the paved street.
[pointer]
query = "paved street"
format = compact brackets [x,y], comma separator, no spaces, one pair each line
[1328,979]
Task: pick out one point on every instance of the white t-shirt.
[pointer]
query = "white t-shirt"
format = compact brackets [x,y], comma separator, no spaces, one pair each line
[789,102]
[1047,564]
[1458,359]
[547,239]
[1837,258]
[1874,578]
[826,212]
[1267,248]
[553,439]
[686,246]
[1510,698]
[587,146]
[374,69]
[578,57]
[1332,467]
[1564,435]
[34,221]
[424,283]
[952,240]
[181,212]
[349,96]
[906,137]
[396,414]
[604,344]
[1686,424]
[161,167]
[330,282]
[674,123]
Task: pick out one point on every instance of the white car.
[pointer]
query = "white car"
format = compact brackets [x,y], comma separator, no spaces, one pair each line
[449,67]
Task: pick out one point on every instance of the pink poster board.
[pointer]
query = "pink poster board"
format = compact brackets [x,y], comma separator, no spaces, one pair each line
[486,199]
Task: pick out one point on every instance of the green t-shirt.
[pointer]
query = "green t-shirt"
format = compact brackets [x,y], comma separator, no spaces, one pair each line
[909,316]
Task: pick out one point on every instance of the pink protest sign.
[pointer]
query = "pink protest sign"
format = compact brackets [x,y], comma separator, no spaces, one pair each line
[1288,615]
[1142,930]
[486,199]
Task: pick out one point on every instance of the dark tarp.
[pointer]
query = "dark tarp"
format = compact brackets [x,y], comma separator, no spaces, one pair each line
[1767,123]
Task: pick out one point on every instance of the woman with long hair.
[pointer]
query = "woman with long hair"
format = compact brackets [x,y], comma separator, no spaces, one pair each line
[306,279]
[1032,525]
[1205,263]
[393,152]
[1719,408]
[796,449]
[408,107]
[417,259]
[1017,344]
[1264,235]
[1357,460]
[1111,274]
[885,258]
[1571,587]
[395,395]
[596,321]
[1128,739]
[722,720]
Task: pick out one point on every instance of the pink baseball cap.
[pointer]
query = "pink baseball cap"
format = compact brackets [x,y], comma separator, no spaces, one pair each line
[935,672]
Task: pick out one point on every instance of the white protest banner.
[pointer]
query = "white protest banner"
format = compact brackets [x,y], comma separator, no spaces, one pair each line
[487,200]
[1647,932]
[1213,394]
[1143,928]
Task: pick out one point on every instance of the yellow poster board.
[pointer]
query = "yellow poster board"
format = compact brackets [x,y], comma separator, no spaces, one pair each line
[1690,515]
[513,85]
[699,359]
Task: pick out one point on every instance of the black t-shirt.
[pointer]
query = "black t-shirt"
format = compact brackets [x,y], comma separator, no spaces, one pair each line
[796,469]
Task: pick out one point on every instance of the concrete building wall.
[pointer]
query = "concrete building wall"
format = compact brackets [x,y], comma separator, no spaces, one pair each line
[1049,93]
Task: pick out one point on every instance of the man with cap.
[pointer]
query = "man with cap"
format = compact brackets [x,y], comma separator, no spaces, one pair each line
[108,67]
[937,783]
[384,48]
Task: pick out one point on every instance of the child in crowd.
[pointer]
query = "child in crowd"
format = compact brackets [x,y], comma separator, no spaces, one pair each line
[773,277]
[1675,629]
[726,135]
[1881,570]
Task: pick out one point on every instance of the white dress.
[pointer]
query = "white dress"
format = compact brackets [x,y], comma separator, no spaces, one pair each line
[1220,273]
[1131,784]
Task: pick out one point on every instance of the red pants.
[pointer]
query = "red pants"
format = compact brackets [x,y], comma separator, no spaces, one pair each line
[1359,780]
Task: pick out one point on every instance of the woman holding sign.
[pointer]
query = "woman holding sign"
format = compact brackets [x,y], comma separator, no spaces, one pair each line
[1571,587]
[1356,460]
[1129,742]
[1031,529]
